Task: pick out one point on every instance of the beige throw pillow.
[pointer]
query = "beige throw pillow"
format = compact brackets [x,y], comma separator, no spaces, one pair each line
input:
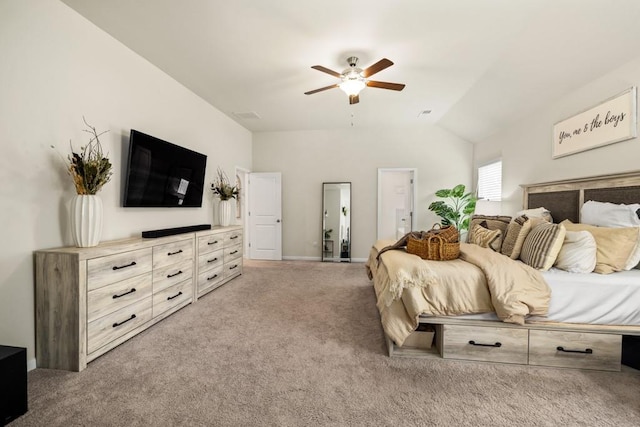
[542,245]
[493,222]
[615,246]
[486,238]
[514,239]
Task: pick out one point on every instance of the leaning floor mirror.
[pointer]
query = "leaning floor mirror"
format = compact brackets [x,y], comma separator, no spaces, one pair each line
[336,221]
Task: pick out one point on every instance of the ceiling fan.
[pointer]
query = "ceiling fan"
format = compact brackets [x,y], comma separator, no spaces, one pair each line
[354,79]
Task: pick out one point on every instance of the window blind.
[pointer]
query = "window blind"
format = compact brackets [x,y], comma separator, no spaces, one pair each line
[490,181]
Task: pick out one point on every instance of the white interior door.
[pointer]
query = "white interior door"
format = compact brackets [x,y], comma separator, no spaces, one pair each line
[396,195]
[265,216]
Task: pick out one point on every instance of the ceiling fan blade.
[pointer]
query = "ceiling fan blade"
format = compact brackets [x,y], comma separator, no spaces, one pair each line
[326,70]
[354,99]
[385,85]
[378,66]
[311,92]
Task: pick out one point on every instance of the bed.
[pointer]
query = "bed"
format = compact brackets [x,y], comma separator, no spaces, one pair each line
[581,325]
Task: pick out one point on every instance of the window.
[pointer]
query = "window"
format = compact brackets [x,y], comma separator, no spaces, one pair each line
[490,181]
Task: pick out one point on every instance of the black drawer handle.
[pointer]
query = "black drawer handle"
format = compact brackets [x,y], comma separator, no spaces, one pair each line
[133,316]
[234,252]
[213,243]
[233,266]
[233,237]
[118,267]
[175,253]
[212,277]
[174,274]
[175,296]
[585,351]
[498,344]
[212,260]
[126,293]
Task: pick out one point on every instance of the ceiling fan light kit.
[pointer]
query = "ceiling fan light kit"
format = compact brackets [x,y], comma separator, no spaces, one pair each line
[354,79]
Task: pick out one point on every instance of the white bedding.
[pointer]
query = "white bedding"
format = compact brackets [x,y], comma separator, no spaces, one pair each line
[599,299]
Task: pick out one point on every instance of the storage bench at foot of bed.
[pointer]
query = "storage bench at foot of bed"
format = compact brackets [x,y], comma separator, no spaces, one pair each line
[574,346]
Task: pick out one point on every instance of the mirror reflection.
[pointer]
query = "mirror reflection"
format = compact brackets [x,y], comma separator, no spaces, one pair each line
[336,221]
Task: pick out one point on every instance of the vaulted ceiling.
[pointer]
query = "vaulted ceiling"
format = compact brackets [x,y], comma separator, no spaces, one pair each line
[478,65]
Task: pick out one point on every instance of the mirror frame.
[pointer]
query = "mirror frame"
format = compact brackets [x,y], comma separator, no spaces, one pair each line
[327,255]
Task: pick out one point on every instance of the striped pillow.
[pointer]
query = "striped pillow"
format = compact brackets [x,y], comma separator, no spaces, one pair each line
[486,238]
[542,245]
[514,238]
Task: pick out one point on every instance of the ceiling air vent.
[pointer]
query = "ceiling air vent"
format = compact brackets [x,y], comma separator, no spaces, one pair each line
[246,115]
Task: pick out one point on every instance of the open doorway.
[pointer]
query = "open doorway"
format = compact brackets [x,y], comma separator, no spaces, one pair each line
[396,198]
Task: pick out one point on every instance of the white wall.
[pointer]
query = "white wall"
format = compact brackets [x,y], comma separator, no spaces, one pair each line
[525,147]
[56,67]
[309,158]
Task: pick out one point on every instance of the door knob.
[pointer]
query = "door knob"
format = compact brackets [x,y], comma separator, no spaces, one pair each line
[277,220]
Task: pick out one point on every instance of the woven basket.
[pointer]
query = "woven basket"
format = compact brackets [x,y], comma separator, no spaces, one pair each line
[439,244]
[449,233]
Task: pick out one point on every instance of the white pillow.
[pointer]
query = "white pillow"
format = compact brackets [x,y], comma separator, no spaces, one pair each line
[578,252]
[605,214]
[537,213]
[634,258]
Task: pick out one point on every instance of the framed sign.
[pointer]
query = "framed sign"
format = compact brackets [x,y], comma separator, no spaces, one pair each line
[613,120]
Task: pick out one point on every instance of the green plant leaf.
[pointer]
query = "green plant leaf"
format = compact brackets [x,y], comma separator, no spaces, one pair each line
[458,191]
[443,193]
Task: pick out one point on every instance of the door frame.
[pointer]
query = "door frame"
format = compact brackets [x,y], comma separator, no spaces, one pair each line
[414,195]
[243,174]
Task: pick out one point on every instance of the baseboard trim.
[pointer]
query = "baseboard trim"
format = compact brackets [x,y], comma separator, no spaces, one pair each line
[31,364]
[315,258]
[301,258]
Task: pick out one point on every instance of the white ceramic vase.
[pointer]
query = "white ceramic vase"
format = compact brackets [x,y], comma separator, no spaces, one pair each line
[225,212]
[86,220]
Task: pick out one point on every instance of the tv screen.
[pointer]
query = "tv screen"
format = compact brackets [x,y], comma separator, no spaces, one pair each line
[162,174]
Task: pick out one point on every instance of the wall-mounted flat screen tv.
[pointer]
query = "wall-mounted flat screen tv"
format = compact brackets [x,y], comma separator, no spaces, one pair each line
[162,174]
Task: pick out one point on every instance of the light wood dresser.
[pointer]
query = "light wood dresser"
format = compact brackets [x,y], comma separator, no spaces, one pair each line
[219,257]
[90,300]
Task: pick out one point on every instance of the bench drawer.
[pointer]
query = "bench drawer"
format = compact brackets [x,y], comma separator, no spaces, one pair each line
[575,350]
[487,344]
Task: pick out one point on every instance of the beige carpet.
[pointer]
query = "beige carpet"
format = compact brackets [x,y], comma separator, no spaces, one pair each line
[300,344]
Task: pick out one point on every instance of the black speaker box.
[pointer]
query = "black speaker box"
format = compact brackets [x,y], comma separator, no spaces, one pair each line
[13,383]
[178,230]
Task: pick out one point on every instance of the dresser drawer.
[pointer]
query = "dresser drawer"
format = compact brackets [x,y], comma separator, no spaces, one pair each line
[172,297]
[232,252]
[172,253]
[170,275]
[107,328]
[210,260]
[210,278]
[575,350]
[232,268]
[114,268]
[489,344]
[110,298]
[210,243]
[233,237]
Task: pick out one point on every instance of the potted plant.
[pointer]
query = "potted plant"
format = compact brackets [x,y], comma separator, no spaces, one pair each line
[222,188]
[90,170]
[456,209]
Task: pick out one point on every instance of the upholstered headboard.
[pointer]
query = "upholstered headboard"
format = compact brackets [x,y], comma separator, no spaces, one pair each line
[565,198]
